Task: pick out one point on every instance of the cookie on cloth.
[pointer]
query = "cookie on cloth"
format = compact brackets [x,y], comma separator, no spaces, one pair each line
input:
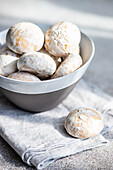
[84,122]
[8,64]
[70,64]
[37,63]
[25,37]
[62,39]
[23,76]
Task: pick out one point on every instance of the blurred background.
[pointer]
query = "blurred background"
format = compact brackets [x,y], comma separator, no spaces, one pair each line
[94,17]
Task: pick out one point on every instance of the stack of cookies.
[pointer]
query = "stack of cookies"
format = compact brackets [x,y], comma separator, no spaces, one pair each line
[30,55]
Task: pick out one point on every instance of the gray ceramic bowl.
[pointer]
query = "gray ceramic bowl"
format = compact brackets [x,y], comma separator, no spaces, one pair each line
[45,95]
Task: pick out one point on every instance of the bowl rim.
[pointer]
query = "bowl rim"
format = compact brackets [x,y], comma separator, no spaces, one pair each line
[44,82]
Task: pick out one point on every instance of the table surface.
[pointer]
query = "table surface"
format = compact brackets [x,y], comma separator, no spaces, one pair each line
[95,18]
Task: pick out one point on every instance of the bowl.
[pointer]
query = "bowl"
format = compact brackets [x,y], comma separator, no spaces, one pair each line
[45,95]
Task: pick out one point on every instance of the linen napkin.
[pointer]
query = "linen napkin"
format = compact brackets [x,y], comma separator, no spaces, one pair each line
[40,138]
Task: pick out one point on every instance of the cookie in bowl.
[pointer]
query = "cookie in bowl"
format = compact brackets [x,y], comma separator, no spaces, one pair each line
[77,49]
[8,64]
[70,64]
[56,59]
[84,122]
[6,51]
[38,63]
[23,76]
[62,39]
[24,37]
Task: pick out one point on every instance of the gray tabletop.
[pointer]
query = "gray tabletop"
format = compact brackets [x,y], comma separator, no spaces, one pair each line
[95,18]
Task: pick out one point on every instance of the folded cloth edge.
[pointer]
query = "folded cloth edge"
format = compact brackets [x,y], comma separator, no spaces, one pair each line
[50,160]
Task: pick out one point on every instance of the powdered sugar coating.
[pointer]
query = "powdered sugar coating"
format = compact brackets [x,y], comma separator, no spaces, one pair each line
[24,37]
[23,76]
[6,51]
[61,39]
[84,122]
[8,64]
[56,59]
[38,63]
[70,64]
[77,50]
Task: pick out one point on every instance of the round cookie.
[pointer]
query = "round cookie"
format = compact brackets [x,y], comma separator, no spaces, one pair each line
[25,37]
[57,60]
[37,63]
[77,50]
[23,76]
[84,122]
[8,64]
[70,64]
[62,39]
[6,51]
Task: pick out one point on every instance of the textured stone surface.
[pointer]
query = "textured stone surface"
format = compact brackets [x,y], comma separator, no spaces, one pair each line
[94,17]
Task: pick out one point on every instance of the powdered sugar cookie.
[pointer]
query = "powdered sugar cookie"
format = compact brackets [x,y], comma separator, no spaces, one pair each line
[7,51]
[57,60]
[8,64]
[77,50]
[62,39]
[70,64]
[84,122]
[24,37]
[23,76]
[38,63]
